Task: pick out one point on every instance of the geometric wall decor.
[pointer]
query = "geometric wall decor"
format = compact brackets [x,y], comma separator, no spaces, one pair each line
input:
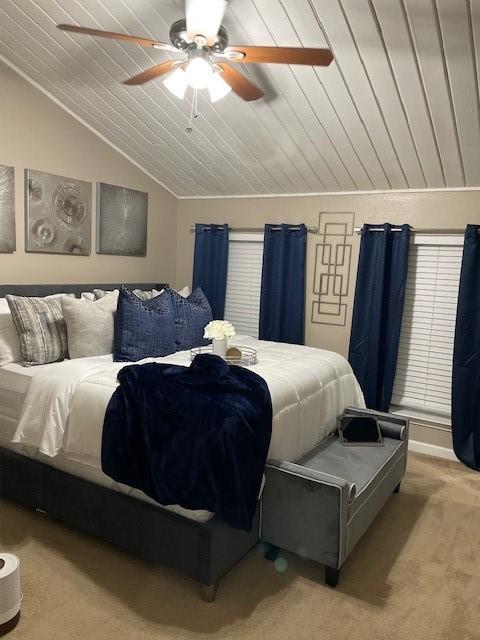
[122,216]
[58,214]
[333,257]
[7,209]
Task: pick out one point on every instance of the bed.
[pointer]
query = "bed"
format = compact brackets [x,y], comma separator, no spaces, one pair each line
[55,466]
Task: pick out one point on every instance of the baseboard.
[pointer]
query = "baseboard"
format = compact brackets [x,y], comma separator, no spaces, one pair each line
[432,450]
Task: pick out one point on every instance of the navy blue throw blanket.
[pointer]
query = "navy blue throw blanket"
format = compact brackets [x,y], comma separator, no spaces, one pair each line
[195,436]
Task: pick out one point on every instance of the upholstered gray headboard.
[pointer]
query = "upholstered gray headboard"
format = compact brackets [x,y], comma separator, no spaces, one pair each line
[48,289]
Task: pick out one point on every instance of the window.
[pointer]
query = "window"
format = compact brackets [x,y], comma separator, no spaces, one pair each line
[424,368]
[244,277]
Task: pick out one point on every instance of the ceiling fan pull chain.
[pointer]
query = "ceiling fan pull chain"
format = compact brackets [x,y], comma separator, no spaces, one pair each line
[195,101]
[193,111]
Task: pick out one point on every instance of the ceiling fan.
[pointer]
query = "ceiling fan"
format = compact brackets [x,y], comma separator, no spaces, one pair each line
[206,57]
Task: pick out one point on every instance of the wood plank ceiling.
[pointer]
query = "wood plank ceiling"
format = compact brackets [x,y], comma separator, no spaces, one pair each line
[397,109]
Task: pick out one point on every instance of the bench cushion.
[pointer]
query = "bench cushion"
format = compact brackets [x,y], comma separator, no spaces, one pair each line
[361,466]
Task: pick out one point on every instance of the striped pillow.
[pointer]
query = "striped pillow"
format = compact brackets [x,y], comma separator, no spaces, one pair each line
[41,328]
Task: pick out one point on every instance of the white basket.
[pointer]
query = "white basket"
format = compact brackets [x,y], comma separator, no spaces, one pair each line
[247,359]
[10,594]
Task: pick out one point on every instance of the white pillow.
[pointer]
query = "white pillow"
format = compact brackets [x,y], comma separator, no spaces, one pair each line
[147,295]
[143,295]
[90,325]
[185,292]
[100,293]
[88,295]
[9,341]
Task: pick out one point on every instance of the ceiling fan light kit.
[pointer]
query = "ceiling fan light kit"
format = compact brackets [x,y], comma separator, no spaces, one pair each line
[206,59]
[197,76]
[198,72]
[218,88]
[177,83]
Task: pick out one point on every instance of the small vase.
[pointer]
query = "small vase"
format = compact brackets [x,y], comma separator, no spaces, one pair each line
[219,347]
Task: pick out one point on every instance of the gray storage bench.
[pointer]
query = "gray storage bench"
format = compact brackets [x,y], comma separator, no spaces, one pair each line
[320,506]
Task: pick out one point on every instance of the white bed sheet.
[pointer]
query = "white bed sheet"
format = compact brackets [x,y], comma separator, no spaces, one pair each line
[64,406]
[14,382]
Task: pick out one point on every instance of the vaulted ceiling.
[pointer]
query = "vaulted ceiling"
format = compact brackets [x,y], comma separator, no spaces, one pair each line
[398,108]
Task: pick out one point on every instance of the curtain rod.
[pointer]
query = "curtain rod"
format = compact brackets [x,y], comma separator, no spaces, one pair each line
[358,230]
[259,229]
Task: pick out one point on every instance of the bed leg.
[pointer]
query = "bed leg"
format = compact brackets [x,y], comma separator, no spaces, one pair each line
[332,576]
[208,592]
[397,488]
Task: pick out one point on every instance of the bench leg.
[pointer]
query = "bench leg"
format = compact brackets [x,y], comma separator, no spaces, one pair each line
[208,592]
[332,576]
[271,553]
[397,488]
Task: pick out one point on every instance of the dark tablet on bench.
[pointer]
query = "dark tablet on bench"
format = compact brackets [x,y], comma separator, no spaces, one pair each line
[359,430]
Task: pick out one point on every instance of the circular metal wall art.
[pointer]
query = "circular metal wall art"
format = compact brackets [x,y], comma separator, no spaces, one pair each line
[35,191]
[69,205]
[44,232]
[74,244]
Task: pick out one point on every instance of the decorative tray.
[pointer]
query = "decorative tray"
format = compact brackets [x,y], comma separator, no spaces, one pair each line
[247,357]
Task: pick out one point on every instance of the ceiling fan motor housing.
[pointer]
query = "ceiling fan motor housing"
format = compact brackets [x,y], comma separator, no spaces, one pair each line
[180,39]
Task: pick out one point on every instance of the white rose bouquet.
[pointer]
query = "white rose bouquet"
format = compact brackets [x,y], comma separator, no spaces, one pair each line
[219,330]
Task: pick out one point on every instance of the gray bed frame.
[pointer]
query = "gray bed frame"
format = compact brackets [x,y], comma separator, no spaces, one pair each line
[203,551]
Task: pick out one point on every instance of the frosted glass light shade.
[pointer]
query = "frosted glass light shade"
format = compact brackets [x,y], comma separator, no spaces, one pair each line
[204,17]
[218,88]
[199,73]
[177,83]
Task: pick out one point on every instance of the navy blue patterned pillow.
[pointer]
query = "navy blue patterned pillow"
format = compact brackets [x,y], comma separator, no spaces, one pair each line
[192,314]
[143,329]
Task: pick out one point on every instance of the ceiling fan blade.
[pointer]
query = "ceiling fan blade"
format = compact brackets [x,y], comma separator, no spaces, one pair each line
[152,73]
[144,42]
[240,84]
[281,55]
[205,18]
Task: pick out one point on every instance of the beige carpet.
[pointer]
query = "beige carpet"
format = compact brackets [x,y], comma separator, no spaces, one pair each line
[415,575]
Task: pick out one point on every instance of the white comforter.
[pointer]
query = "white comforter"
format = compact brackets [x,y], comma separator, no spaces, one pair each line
[65,404]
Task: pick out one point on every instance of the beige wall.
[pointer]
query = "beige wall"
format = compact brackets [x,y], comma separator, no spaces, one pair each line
[37,134]
[421,210]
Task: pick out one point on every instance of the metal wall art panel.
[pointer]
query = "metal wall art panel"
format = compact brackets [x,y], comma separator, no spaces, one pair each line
[122,217]
[7,209]
[58,214]
[333,255]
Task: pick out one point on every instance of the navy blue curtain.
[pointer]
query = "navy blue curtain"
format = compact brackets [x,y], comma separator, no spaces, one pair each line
[282,299]
[466,356]
[378,310]
[210,264]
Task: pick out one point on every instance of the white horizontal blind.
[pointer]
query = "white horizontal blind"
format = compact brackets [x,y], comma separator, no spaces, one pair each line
[244,277]
[424,368]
